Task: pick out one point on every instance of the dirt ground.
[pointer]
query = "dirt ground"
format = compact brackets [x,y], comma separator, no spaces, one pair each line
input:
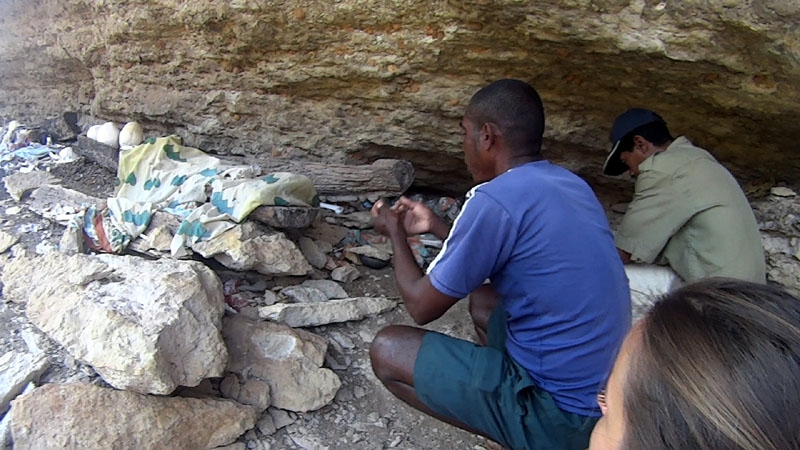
[364,415]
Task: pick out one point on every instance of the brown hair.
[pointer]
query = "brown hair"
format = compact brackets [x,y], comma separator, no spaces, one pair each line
[718,367]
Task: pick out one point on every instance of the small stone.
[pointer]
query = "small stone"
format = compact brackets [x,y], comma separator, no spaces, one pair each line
[230,387]
[780,191]
[270,298]
[345,274]
[372,251]
[359,392]
[249,311]
[16,371]
[7,240]
[255,393]
[301,294]
[259,286]
[344,395]
[14,210]
[331,289]
[312,252]
[342,340]
[280,418]
[373,263]
[159,239]
[266,425]
[333,311]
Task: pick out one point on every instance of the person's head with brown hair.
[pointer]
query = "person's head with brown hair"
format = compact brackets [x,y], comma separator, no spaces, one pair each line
[713,365]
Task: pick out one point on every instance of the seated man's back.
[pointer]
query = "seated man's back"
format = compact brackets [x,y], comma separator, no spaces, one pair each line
[689,210]
[540,235]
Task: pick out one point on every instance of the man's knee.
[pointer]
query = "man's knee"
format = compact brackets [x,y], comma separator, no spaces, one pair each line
[393,352]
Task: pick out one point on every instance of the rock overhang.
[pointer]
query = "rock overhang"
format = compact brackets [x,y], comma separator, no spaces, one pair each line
[357,81]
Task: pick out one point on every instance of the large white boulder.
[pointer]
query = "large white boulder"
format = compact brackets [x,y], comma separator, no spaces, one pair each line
[146,326]
[85,417]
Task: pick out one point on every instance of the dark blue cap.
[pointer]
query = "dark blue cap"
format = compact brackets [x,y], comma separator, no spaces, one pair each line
[623,125]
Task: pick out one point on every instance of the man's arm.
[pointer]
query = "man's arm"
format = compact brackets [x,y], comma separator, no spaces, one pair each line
[422,300]
[624,256]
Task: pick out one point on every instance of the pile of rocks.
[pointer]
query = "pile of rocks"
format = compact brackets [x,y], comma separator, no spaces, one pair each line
[203,355]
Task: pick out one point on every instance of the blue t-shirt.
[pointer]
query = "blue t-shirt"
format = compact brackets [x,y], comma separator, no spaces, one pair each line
[539,234]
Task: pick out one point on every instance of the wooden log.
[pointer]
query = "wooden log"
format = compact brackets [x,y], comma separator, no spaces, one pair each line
[102,154]
[382,178]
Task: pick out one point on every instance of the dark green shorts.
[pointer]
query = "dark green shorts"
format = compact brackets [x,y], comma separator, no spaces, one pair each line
[485,389]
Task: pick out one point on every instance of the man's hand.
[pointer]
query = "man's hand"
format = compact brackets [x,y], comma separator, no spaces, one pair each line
[387,221]
[418,218]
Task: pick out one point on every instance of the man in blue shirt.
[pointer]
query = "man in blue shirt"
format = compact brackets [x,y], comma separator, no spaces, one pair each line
[551,321]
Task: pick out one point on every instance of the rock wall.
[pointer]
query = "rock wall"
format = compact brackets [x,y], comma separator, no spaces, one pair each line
[354,80]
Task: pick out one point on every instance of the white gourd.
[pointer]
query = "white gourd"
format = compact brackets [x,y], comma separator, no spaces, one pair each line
[108,134]
[131,135]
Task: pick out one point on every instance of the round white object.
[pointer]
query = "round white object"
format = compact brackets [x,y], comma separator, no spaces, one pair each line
[108,134]
[92,132]
[131,135]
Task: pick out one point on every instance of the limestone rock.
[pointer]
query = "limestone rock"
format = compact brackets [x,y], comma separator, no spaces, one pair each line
[281,418]
[83,416]
[250,247]
[266,425]
[323,231]
[313,252]
[358,219]
[253,392]
[5,432]
[146,337]
[7,241]
[779,221]
[18,184]
[383,253]
[345,274]
[290,361]
[158,238]
[332,311]
[16,371]
[304,294]
[331,289]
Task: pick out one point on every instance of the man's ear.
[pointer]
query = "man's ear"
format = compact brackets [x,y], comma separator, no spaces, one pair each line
[488,135]
[639,143]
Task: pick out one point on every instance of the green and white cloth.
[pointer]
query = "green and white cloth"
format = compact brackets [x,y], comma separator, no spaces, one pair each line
[163,175]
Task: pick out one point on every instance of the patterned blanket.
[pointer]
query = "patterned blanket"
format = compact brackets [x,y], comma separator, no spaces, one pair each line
[163,175]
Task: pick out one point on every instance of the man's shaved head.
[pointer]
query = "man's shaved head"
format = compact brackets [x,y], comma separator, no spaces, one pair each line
[516,108]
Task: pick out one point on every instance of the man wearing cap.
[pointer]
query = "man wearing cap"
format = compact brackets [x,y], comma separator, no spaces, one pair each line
[687,211]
